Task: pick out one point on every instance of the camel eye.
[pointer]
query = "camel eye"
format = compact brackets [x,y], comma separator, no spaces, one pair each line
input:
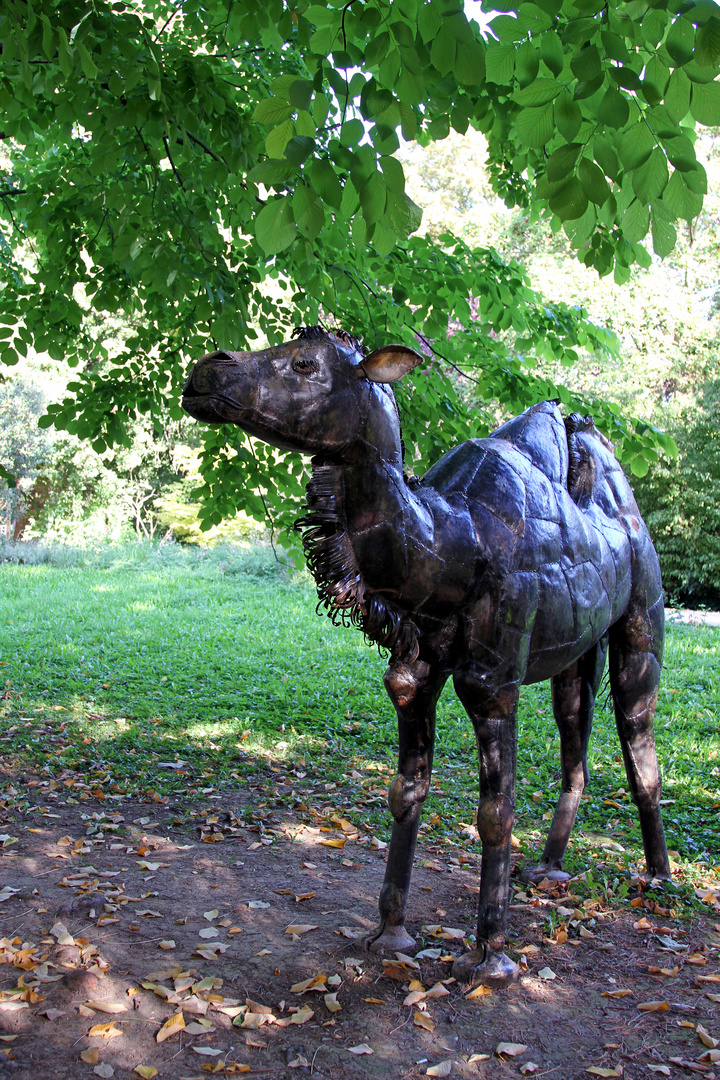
[305,365]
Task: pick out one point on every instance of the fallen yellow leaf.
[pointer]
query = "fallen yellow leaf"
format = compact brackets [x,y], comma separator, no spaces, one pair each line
[107,1031]
[615,993]
[105,1006]
[302,1015]
[422,1020]
[362,1048]
[317,982]
[146,1071]
[91,1056]
[443,1068]
[171,1027]
[478,992]
[301,928]
[597,1070]
[654,1006]
[332,1004]
[510,1049]
[706,1038]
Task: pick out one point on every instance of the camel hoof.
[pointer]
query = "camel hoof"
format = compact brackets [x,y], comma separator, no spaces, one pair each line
[487,967]
[389,939]
[534,874]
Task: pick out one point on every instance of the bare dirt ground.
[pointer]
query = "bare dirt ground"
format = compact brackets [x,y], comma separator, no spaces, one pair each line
[117,919]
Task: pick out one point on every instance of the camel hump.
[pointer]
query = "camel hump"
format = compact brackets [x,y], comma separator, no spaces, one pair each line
[594,473]
[539,433]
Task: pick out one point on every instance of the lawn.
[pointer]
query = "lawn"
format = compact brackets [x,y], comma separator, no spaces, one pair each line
[170,674]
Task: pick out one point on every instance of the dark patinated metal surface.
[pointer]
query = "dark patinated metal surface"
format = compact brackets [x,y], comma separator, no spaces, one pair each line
[517,558]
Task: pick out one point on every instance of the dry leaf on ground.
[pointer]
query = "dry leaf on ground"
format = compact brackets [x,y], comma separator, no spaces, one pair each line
[443,1068]
[509,1049]
[171,1027]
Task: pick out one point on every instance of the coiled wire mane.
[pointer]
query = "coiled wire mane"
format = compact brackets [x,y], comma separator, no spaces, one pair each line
[331,557]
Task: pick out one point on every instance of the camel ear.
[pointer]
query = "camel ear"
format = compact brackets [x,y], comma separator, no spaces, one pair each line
[390,363]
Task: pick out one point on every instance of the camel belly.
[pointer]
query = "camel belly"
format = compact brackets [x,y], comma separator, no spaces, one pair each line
[545,600]
[581,572]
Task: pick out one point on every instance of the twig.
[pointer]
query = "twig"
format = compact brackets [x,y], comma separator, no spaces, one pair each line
[206,148]
[178,177]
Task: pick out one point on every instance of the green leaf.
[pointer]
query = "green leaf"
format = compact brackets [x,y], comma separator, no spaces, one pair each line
[655,80]
[639,466]
[470,63]
[403,215]
[325,181]
[271,111]
[499,63]
[351,132]
[707,43]
[680,201]
[681,153]
[535,127]
[393,173]
[677,95]
[278,139]
[444,47]
[614,109]
[586,64]
[540,92]
[551,51]
[48,38]
[593,182]
[568,117]
[635,146]
[275,227]
[636,221]
[429,22]
[664,237]
[299,148]
[308,212]
[653,26]
[373,197]
[508,28]
[86,61]
[705,103]
[561,162]
[320,15]
[320,109]
[272,172]
[650,179]
[300,93]
[570,201]
[606,157]
[680,40]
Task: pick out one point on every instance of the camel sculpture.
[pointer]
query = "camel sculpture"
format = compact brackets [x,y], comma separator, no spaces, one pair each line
[517,558]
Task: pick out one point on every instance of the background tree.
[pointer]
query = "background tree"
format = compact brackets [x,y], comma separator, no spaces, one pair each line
[214,171]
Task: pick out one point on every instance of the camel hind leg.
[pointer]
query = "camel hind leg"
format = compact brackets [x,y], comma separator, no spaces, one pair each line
[573,698]
[636,649]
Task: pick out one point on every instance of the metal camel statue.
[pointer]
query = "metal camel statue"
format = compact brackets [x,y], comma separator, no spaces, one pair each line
[517,558]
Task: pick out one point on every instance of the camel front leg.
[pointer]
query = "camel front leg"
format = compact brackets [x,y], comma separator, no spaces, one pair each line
[414,690]
[494,717]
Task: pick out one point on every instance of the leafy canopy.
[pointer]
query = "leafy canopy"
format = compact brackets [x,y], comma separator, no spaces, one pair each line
[215,170]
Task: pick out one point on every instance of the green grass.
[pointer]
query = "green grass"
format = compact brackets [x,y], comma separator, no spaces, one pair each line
[111,671]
